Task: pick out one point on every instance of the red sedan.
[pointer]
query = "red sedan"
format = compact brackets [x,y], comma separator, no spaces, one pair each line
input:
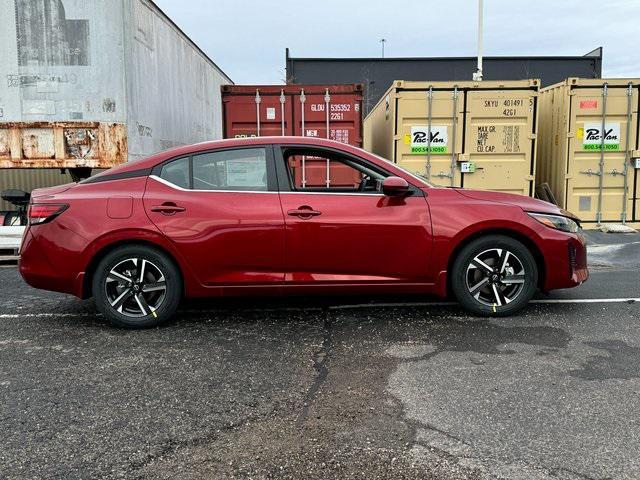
[289,215]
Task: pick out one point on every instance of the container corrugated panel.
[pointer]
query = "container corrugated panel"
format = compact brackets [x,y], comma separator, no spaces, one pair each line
[464,134]
[326,111]
[597,184]
[300,110]
[29,178]
[92,83]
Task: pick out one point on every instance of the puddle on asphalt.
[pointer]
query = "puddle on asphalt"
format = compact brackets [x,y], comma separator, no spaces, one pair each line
[483,337]
[622,362]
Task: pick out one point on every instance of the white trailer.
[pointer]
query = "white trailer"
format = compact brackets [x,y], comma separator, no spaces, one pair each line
[88,84]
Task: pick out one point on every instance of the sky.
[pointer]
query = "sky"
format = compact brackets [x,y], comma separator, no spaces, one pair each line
[247,38]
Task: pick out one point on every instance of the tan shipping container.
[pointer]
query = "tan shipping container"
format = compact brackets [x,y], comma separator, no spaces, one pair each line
[590,174]
[464,134]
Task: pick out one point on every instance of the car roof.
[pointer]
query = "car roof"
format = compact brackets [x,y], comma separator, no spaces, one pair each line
[152,160]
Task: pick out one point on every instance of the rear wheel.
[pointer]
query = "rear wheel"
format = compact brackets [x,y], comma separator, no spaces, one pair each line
[137,287]
[494,275]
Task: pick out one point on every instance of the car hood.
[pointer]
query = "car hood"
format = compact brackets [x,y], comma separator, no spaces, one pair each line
[526,203]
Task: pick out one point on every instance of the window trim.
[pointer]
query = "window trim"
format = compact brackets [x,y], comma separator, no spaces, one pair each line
[182,189]
[284,177]
[177,159]
[272,180]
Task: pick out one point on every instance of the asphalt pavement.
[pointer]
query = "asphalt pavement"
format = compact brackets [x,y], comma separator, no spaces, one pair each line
[384,387]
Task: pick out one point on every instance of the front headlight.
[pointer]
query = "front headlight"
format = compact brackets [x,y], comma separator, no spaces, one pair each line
[557,221]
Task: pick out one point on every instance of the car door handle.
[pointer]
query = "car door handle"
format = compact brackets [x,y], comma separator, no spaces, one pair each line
[304,212]
[167,208]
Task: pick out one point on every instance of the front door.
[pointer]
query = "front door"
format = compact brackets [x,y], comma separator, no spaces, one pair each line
[349,233]
[222,210]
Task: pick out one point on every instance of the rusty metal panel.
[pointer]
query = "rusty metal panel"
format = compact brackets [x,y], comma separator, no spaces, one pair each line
[62,144]
[37,143]
[5,143]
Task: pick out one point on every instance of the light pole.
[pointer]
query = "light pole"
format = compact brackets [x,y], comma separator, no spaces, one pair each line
[382,42]
[478,75]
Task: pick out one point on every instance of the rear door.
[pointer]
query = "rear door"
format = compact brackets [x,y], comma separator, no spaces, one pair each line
[221,209]
[350,234]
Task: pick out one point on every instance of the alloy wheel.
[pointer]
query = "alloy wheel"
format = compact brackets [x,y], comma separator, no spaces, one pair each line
[495,277]
[135,287]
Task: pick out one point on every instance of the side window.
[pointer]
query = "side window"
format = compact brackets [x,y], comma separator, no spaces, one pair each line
[176,172]
[318,171]
[243,169]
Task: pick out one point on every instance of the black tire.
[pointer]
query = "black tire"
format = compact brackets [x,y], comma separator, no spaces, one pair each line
[157,269]
[473,284]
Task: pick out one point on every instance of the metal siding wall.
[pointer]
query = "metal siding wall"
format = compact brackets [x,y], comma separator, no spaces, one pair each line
[182,104]
[63,62]
[29,178]
[377,75]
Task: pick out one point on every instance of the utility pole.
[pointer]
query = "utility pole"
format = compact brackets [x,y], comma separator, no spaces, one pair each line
[383,41]
[478,75]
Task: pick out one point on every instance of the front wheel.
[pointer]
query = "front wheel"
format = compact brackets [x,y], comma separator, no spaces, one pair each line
[494,275]
[137,287]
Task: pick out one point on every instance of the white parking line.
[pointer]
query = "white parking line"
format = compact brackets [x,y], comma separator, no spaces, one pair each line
[339,307]
[32,315]
[447,304]
[392,305]
[585,300]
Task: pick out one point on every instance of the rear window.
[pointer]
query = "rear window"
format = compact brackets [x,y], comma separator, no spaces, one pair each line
[176,172]
[244,169]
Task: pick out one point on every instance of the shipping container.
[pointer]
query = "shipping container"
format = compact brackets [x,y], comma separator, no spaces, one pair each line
[478,135]
[591,174]
[326,111]
[91,84]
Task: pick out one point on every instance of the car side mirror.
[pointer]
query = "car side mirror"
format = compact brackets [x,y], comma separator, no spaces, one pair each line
[395,186]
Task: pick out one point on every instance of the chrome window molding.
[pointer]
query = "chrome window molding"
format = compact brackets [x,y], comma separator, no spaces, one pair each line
[182,189]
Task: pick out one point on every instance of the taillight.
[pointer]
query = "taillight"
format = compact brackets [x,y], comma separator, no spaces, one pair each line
[45,212]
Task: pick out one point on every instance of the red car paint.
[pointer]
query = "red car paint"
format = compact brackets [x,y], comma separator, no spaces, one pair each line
[239,243]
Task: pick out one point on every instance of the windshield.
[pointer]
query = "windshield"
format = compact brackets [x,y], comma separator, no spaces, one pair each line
[417,176]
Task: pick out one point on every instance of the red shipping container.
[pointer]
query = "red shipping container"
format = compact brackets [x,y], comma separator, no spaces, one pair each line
[327,111]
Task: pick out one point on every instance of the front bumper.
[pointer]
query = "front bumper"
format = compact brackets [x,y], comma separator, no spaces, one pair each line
[565,262]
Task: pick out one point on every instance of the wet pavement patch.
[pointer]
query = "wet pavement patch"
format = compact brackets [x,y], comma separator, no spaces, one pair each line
[486,337]
[621,361]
